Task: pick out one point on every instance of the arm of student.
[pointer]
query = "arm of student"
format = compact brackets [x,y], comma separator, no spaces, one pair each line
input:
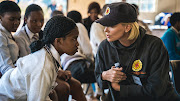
[23,51]
[40,85]
[5,57]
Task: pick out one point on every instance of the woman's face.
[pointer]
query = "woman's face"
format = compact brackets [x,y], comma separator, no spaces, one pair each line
[35,21]
[117,32]
[70,43]
[10,20]
[93,14]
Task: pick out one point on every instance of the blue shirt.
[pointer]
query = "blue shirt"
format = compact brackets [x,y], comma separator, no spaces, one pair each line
[171,40]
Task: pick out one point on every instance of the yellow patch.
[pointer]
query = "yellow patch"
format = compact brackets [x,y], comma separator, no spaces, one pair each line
[107,11]
[137,65]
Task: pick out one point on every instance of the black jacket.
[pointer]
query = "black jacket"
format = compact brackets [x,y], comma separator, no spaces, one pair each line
[151,52]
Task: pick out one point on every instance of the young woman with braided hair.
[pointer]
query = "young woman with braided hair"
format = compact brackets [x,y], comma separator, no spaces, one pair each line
[36,74]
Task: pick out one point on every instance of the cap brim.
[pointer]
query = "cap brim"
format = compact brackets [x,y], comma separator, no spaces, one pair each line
[105,21]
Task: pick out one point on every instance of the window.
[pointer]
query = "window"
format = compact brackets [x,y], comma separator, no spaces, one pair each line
[144,5]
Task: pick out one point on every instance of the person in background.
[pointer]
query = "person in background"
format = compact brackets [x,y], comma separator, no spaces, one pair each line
[10,15]
[171,37]
[52,6]
[31,30]
[36,74]
[140,22]
[56,12]
[97,34]
[93,12]
[132,64]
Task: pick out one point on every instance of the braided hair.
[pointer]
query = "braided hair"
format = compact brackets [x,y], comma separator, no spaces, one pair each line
[56,27]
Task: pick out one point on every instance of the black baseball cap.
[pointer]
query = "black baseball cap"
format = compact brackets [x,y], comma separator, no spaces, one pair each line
[119,12]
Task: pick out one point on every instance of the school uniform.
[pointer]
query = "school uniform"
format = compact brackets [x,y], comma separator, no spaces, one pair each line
[87,23]
[24,38]
[9,50]
[32,79]
[146,65]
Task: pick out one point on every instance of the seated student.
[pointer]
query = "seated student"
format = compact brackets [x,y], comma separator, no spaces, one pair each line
[35,75]
[93,12]
[56,12]
[97,34]
[143,61]
[10,15]
[84,57]
[31,30]
[171,37]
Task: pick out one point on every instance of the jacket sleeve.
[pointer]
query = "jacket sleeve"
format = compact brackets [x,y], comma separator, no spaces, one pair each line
[158,77]
[22,47]
[5,57]
[99,68]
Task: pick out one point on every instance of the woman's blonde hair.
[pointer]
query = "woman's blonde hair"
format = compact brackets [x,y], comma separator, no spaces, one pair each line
[134,32]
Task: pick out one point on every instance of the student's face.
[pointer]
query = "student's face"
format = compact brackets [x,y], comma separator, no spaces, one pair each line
[93,14]
[70,43]
[117,32]
[35,21]
[10,20]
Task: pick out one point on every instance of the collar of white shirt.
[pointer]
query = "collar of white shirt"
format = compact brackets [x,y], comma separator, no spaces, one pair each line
[29,33]
[55,53]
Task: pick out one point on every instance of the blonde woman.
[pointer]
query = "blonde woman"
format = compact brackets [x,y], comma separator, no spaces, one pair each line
[143,63]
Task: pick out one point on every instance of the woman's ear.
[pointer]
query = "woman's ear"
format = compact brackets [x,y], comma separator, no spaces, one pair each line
[128,28]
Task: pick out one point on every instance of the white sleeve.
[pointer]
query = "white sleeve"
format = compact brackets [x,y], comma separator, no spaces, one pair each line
[5,58]
[40,85]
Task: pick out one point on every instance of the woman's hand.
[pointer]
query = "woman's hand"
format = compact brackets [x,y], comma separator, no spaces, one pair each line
[115,86]
[114,75]
[64,75]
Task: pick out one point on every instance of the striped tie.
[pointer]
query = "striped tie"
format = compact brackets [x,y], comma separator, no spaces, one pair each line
[35,37]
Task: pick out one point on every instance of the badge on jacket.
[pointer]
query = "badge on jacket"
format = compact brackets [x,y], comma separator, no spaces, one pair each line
[137,67]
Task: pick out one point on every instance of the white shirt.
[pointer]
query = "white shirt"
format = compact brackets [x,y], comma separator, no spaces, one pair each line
[24,38]
[84,49]
[9,50]
[97,35]
[32,79]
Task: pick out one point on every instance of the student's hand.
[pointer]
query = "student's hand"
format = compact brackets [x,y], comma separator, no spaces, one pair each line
[64,75]
[53,95]
[68,75]
[114,75]
[115,86]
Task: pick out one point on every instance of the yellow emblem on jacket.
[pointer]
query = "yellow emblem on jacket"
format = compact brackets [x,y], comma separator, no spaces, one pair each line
[137,65]
[107,11]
